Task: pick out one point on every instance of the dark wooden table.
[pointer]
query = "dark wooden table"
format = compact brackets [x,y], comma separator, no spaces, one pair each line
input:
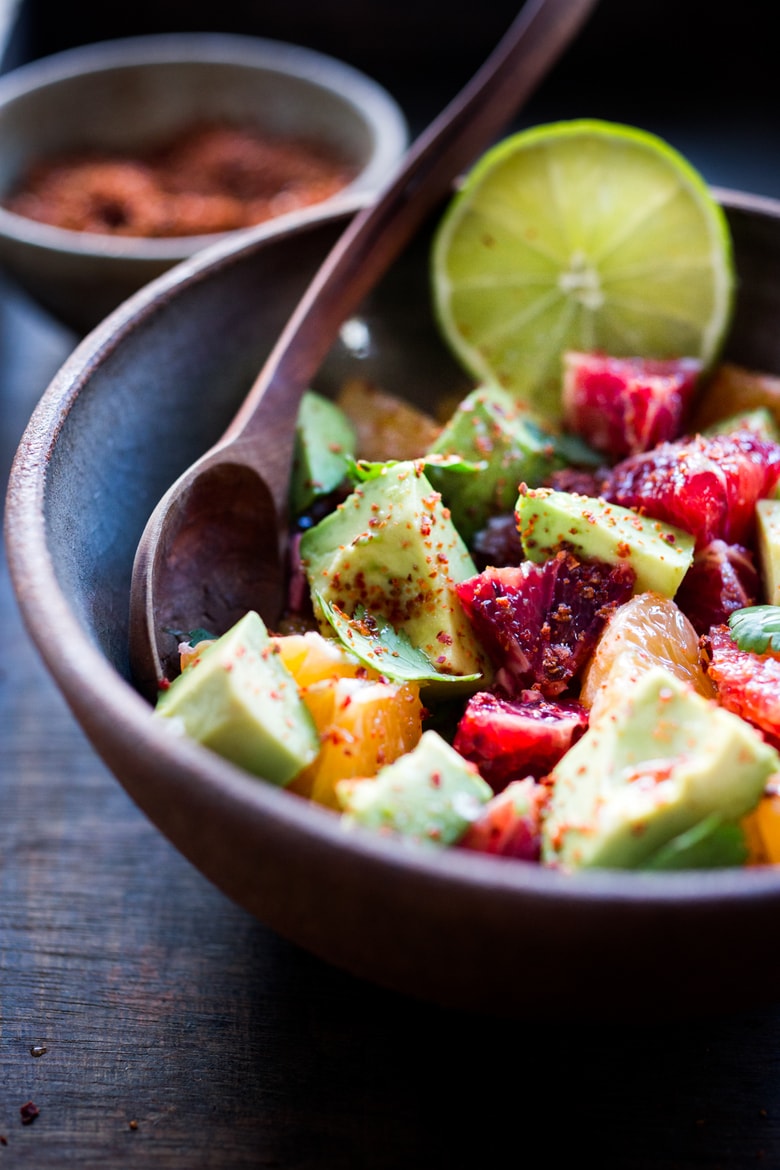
[153,1023]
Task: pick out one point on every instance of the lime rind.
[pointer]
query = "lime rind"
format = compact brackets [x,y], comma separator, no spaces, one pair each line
[582,234]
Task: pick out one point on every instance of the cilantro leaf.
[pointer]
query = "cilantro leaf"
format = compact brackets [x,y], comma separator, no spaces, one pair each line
[377,644]
[757,628]
[711,844]
[363,470]
[191,637]
[573,450]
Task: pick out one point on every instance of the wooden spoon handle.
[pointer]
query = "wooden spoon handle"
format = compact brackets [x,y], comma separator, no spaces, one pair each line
[377,235]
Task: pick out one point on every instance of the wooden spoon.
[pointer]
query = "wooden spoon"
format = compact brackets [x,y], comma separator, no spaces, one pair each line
[214,545]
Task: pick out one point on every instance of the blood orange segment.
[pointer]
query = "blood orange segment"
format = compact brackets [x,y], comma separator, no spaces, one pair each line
[624,406]
[498,543]
[707,485]
[747,684]
[509,825]
[647,631]
[539,623]
[509,740]
[722,579]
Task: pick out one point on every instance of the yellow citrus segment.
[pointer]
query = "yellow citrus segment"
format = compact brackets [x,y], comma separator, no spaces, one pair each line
[647,631]
[189,654]
[362,725]
[580,235]
[735,390]
[762,829]
[387,427]
[310,658]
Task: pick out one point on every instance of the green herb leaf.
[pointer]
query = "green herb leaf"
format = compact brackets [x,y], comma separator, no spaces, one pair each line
[377,644]
[711,844]
[191,637]
[363,470]
[757,628]
[455,463]
[573,450]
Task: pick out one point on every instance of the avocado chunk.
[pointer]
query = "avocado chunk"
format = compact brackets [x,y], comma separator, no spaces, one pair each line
[760,420]
[594,529]
[238,699]
[324,441]
[768,531]
[489,429]
[667,761]
[431,795]
[392,550]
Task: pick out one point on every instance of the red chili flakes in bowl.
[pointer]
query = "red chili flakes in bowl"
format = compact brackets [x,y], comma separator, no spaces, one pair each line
[210,178]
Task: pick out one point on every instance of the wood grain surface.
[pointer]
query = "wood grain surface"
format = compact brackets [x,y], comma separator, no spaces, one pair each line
[180,1033]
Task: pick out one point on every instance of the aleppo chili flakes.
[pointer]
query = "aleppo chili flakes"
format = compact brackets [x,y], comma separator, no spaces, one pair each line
[210,178]
[29,1112]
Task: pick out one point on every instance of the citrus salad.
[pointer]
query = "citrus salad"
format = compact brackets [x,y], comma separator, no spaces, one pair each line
[544,622]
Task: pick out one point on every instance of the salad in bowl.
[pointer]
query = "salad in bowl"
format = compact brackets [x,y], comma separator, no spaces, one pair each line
[539,621]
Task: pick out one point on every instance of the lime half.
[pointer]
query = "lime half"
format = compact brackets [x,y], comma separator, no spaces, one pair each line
[581,235]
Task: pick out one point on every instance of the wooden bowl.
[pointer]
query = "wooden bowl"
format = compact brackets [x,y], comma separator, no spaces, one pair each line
[132,94]
[141,397]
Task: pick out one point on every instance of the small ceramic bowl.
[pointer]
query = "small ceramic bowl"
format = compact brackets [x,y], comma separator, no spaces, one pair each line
[133,94]
[460,929]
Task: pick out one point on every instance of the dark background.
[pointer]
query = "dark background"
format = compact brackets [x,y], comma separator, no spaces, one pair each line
[701,72]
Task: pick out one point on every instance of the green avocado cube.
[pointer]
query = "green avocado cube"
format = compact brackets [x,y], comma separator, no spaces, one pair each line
[760,420]
[768,530]
[666,761]
[324,441]
[489,428]
[239,700]
[431,795]
[392,549]
[594,529]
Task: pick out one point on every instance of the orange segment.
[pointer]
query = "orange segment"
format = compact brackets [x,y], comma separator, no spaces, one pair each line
[363,721]
[363,725]
[649,630]
[310,658]
[387,427]
[734,390]
[189,654]
[762,829]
